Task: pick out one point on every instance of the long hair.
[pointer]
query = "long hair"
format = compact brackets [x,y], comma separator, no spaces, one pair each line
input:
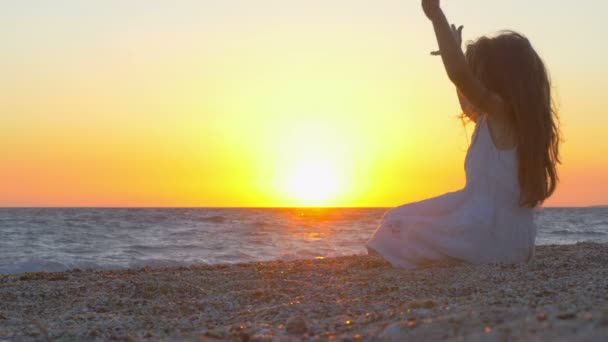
[509,66]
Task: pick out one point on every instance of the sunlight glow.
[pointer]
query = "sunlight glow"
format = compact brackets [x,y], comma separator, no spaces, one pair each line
[292,103]
[312,183]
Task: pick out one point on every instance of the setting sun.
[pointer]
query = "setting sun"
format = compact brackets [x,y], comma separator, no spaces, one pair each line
[312,164]
[312,183]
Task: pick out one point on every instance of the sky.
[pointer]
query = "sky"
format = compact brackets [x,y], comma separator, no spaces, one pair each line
[269,103]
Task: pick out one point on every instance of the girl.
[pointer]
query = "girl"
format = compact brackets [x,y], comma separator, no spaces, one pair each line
[510,166]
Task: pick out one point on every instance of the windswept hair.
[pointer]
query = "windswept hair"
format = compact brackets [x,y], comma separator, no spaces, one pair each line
[509,66]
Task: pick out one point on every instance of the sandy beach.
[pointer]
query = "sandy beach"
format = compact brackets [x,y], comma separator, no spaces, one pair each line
[561,295]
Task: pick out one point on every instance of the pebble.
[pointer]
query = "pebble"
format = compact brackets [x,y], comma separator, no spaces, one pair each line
[392,332]
[566,315]
[422,312]
[261,336]
[423,304]
[296,325]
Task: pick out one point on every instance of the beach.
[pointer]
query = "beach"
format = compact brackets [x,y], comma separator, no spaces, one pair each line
[560,295]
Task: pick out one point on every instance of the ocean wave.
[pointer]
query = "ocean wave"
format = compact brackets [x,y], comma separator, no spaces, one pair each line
[39,265]
[213,219]
[223,257]
[261,224]
[578,232]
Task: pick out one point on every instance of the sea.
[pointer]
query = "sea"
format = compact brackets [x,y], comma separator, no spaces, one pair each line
[52,239]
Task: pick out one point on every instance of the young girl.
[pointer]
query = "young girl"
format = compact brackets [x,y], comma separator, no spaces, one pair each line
[510,166]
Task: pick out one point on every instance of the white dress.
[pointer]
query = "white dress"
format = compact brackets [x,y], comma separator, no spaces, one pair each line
[482,223]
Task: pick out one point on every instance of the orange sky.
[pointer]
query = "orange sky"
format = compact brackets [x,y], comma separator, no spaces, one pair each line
[207,103]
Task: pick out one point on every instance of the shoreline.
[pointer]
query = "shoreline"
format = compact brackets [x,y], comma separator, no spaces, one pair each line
[561,294]
[172,264]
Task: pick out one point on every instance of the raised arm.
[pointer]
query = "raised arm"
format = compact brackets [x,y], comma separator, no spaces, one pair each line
[456,65]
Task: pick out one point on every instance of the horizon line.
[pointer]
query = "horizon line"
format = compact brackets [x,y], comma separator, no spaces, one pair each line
[251,207]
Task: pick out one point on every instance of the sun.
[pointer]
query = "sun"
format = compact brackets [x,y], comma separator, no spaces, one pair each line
[312,183]
[312,165]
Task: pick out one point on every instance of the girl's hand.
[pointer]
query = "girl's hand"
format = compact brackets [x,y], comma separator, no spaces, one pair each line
[431,8]
[457,33]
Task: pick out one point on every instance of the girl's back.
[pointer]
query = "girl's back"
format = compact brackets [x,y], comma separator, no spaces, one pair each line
[492,175]
[482,223]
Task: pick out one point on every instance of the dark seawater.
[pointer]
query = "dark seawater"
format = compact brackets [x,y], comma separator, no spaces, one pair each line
[59,239]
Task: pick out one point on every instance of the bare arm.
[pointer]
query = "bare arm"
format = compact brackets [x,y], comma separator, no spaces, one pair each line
[456,65]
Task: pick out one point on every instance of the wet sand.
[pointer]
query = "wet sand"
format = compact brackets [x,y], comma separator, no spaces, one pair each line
[561,295]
